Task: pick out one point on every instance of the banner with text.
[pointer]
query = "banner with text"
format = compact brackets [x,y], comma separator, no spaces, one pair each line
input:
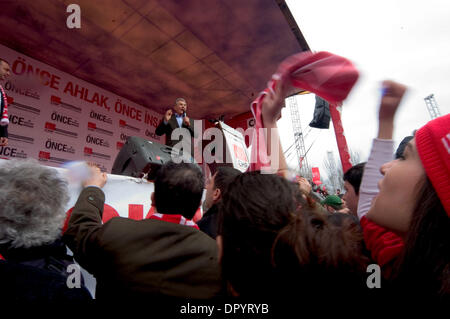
[55,117]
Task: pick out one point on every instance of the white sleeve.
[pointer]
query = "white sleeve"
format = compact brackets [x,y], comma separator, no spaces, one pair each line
[381,152]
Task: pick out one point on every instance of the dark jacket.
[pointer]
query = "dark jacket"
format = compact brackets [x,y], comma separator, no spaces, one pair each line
[141,258]
[208,223]
[171,125]
[38,274]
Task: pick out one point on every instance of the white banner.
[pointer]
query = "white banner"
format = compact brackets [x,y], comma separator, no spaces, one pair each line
[134,203]
[56,117]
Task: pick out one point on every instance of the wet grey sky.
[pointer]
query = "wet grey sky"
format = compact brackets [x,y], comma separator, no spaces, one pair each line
[405,41]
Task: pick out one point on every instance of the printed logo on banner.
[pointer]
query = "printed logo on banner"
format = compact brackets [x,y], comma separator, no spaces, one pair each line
[93,127]
[240,156]
[64,119]
[46,157]
[59,146]
[90,152]
[91,139]
[56,100]
[7,152]
[124,124]
[9,86]
[124,137]
[100,117]
[20,138]
[51,128]
[56,107]
[152,135]
[22,107]
[20,121]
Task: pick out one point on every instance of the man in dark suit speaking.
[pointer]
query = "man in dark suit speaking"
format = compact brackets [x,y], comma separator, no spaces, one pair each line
[174,119]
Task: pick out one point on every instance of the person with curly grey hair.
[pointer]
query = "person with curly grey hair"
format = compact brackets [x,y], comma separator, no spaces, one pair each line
[33,258]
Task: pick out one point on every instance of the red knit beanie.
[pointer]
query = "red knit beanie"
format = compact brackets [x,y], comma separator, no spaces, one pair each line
[433,146]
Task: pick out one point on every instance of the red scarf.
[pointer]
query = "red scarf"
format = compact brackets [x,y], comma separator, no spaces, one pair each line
[4,116]
[327,75]
[176,219]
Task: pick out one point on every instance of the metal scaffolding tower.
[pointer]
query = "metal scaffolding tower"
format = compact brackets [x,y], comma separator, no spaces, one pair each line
[304,168]
[333,169]
[432,106]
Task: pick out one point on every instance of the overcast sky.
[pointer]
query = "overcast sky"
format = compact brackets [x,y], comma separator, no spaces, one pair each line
[405,41]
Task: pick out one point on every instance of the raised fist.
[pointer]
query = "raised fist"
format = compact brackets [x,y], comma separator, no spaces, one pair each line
[168,115]
[97,177]
[392,96]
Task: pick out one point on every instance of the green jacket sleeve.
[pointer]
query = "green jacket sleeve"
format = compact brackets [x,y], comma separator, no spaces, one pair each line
[85,228]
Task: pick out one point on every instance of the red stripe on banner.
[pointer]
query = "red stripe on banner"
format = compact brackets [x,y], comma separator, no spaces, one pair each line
[108,213]
[44,155]
[55,99]
[50,126]
[135,211]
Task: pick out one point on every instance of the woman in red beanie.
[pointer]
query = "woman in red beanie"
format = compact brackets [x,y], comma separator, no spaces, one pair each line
[414,202]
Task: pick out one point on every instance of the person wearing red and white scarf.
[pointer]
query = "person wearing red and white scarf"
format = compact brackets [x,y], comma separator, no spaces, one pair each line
[4,74]
[176,219]
[163,255]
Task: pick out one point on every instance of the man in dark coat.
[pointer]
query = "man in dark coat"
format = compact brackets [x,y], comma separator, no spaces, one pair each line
[174,119]
[140,259]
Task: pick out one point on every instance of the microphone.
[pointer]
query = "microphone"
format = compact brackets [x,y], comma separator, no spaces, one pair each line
[184,114]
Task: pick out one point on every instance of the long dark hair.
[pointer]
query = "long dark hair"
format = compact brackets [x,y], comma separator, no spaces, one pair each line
[254,208]
[424,266]
[273,247]
[319,257]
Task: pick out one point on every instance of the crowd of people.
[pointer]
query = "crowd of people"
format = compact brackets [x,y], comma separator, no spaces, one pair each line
[261,235]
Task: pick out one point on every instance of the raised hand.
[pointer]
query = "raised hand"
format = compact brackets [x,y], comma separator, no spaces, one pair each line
[304,185]
[392,96]
[97,178]
[168,115]
[272,104]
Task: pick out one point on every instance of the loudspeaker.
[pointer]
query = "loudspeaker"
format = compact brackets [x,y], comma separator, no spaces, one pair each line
[139,156]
